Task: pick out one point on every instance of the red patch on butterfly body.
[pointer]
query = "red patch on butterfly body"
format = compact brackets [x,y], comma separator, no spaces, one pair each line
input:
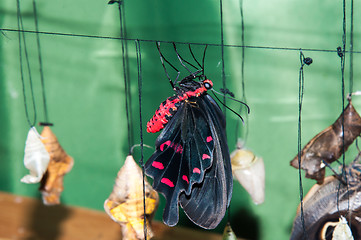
[209,138]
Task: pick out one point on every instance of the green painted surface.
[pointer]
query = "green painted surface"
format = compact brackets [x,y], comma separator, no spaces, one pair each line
[85,89]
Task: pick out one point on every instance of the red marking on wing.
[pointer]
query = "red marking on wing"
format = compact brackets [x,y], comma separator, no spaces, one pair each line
[167,182]
[185,178]
[196,170]
[178,148]
[158,165]
[205,156]
[165,143]
[209,138]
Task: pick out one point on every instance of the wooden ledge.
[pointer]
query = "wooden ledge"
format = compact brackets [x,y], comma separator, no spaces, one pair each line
[26,218]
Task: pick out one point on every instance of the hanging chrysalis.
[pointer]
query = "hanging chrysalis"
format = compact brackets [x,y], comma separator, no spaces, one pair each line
[36,158]
[324,204]
[228,233]
[249,170]
[60,164]
[328,145]
[125,203]
[342,230]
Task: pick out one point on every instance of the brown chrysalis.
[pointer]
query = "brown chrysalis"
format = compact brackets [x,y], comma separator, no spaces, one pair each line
[327,145]
[325,204]
[60,163]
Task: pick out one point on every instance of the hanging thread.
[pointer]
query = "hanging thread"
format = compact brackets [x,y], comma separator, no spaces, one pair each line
[22,41]
[222,57]
[127,90]
[341,53]
[244,99]
[46,116]
[301,81]
[141,161]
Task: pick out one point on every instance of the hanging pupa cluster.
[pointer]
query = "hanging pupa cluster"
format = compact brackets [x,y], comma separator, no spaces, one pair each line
[60,163]
[125,203]
[249,170]
[36,158]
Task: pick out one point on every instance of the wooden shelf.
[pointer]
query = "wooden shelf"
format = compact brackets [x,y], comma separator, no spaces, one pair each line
[27,218]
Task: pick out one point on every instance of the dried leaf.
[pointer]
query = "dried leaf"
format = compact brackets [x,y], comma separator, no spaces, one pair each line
[327,145]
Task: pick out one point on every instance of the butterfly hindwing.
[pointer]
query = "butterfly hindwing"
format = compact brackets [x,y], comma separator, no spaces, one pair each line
[183,154]
[207,203]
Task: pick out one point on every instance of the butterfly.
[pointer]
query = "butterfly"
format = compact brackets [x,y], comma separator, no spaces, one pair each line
[191,166]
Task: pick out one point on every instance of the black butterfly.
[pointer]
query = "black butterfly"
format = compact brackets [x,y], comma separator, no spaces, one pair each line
[191,165]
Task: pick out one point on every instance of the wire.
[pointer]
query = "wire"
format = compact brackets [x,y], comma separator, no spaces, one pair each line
[21,35]
[301,82]
[163,41]
[46,116]
[139,68]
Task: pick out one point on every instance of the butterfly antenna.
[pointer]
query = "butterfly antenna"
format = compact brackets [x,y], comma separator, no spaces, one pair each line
[181,60]
[224,95]
[162,59]
[230,108]
[195,59]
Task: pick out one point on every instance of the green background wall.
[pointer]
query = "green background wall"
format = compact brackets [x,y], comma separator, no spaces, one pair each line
[85,89]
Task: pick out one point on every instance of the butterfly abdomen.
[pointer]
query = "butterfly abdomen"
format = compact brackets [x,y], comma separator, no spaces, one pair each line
[169,107]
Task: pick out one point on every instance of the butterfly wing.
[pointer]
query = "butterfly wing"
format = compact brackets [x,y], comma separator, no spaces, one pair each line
[208,201]
[184,151]
[191,164]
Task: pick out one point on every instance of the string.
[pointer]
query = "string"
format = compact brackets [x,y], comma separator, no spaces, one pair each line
[139,68]
[177,42]
[301,81]
[222,56]
[21,36]
[351,51]
[244,99]
[127,94]
[46,116]
[341,54]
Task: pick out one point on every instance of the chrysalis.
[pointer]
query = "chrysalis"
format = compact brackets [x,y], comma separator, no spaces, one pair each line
[249,170]
[60,164]
[125,203]
[342,230]
[228,233]
[328,145]
[324,204]
[36,157]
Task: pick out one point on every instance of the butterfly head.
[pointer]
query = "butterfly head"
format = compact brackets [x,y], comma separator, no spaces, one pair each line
[207,84]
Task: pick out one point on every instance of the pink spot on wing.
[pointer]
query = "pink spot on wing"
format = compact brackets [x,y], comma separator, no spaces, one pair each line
[158,165]
[185,178]
[205,156]
[209,138]
[196,170]
[167,182]
[165,143]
